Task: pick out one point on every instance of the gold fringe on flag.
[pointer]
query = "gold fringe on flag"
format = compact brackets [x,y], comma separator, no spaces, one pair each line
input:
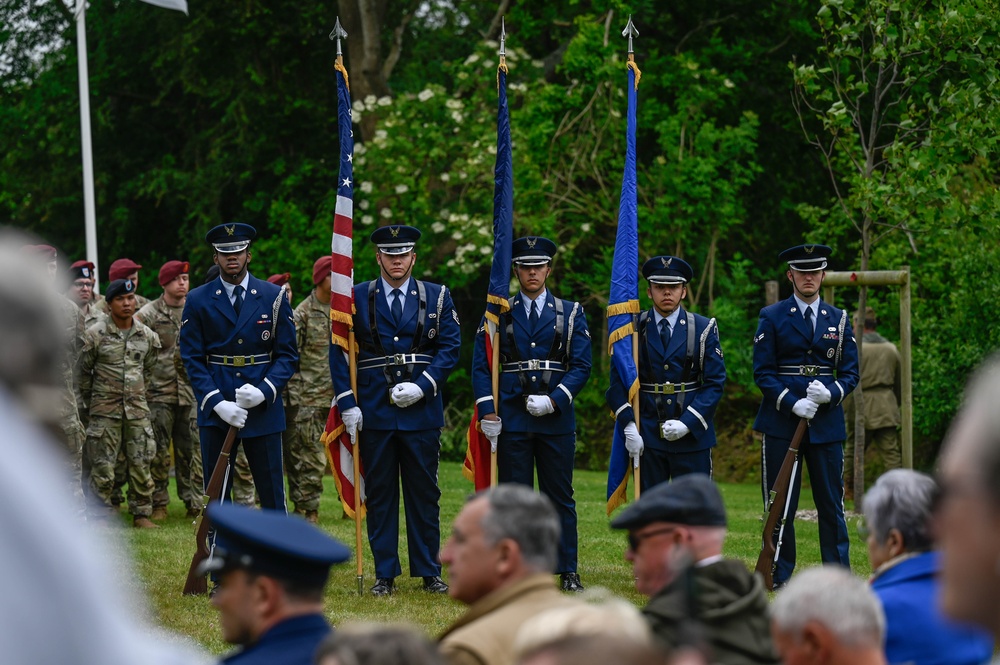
[631,65]
[339,66]
[619,334]
[627,307]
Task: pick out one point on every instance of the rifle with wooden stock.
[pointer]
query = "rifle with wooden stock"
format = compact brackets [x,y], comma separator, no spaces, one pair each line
[776,511]
[196,584]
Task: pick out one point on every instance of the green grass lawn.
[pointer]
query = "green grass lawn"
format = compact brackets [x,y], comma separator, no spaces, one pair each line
[162,557]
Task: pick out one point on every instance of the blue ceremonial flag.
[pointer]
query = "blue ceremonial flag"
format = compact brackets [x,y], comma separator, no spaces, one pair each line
[623,301]
[477,456]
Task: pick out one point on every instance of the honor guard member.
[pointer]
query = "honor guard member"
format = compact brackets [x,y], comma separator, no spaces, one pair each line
[272,570]
[408,337]
[545,362]
[116,365]
[171,400]
[238,346]
[309,396]
[805,362]
[681,377]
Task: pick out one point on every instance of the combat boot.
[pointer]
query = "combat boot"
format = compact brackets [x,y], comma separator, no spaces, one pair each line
[312,516]
[143,522]
[159,514]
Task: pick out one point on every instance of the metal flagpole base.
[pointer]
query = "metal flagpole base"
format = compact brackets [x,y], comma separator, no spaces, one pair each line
[361,585]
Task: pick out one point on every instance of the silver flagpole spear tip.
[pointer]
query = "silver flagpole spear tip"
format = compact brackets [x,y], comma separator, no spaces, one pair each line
[630,32]
[503,38]
[338,33]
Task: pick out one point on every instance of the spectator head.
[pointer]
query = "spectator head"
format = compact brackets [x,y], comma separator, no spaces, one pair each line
[897,515]
[502,535]
[827,615]
[967,520]
[377,644]
[671,526]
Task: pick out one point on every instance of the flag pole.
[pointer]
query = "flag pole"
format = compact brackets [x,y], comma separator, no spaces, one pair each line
[337,34]
[630,32]
[86,150]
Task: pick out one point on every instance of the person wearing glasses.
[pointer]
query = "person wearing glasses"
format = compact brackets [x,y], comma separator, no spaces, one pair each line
[697,597]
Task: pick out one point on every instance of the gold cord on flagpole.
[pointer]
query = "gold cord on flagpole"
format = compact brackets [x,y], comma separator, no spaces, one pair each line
[339,66]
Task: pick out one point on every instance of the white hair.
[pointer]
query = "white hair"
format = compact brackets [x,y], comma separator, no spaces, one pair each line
[833,597]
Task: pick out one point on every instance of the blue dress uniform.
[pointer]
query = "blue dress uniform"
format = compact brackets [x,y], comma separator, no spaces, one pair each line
[287,549]
[400,443]
[787,357]
[552,358]
[682,382]
[222,351]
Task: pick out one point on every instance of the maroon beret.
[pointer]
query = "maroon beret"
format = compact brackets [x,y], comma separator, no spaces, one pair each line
[171,269]
[280,279]
[122,268]
[322,268]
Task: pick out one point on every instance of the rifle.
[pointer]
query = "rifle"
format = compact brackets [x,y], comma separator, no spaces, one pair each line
[196,584]
[776,510]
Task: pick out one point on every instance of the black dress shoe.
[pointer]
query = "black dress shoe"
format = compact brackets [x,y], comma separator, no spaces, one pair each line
[383,587]
[571,582]
[435,584]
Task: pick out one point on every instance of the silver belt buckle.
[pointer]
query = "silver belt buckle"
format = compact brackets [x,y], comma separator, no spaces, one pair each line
[808,370]
[534,364]
[399,359]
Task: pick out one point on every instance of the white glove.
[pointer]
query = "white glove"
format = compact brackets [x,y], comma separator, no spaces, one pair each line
[633,442]
[805,408]
[674,429]
[540,405]
[231,413]
[248,396]
[352,422]
[818,393]
[492,429]
[406,394]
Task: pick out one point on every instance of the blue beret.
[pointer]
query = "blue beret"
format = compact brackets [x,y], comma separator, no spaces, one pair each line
[271,543]
[532,251]
[806,258]
[231,238]
[693,499]
[119,287]
[667,270]
[398,239]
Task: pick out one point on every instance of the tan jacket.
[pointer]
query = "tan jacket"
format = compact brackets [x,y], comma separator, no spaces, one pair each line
[485,634]
[880,384]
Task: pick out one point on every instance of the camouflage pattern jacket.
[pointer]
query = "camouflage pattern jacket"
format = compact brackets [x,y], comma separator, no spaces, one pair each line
[115,368]
[311,385]
[166,386]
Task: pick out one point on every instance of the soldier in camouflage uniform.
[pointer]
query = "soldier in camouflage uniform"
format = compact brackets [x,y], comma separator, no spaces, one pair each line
[309,394]
[171,400]
[116,365]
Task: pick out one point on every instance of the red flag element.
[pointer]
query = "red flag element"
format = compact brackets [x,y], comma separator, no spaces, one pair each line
[476,467]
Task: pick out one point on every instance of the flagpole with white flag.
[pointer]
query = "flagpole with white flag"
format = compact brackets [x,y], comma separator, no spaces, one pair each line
[86,147]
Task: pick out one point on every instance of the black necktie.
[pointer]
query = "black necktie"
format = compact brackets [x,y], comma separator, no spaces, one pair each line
[533,316]
[809,319]
[238,299]
[664,333]
[397,305]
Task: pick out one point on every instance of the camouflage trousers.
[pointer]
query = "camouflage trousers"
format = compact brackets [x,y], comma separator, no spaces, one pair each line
[244,492]
[106,439]
[74,438]
[180,424]
[305,457]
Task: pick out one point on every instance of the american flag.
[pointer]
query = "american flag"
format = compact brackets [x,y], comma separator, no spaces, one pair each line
[623,300]
[335,437]
[477,455]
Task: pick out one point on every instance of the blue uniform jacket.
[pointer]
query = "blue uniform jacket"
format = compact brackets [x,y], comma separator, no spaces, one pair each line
[659,366]
[784,341]
[440,339]
[291,642]
[916,631]
[209,327]
[563,386]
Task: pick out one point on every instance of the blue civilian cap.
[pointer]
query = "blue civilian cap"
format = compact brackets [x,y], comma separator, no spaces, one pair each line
[397,239]
[231,238]
[272,543]
[693,499]
[667,270]
[532,251]
[806,258]
[119,287]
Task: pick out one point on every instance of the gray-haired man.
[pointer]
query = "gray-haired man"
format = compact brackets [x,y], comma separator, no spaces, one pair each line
[500,557]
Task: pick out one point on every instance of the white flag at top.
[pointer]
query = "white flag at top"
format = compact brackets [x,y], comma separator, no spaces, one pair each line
[180,5]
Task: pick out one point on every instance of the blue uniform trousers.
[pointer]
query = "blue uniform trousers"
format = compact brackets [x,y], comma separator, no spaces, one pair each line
[264,455]
[519,454]
[826,467]
[659,466]
[390,456]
